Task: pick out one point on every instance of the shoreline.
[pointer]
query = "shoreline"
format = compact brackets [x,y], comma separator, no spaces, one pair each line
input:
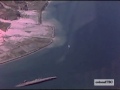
[13,55]
[31,52]
[23,56]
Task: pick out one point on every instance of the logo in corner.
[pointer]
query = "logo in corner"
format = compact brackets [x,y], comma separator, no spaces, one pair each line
[103,82]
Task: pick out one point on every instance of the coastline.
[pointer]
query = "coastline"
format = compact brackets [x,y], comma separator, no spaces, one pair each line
[31,52]
[20,57]
[23,56]
[16,57]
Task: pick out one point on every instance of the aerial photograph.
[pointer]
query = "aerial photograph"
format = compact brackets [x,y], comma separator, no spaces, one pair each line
[47,44]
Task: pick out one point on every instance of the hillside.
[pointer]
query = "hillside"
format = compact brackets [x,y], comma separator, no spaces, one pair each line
[9,10]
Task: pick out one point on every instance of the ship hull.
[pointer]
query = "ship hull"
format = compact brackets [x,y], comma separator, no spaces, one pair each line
[35,82]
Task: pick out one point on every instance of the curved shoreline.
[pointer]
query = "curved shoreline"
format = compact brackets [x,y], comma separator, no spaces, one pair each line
[23,56]
[13,55]
[31,52]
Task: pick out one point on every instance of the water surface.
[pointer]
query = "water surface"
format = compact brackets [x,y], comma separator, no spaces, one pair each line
[92,30]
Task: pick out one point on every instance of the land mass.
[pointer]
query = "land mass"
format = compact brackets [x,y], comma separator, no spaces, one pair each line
[21,29]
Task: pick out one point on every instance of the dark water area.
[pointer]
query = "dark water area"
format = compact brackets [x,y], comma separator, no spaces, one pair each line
[97,55]
[97,47]
[93,31]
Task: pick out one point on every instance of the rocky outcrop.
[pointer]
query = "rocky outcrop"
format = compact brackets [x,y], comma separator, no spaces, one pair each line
[9,14]
[9,10]
[37,5]
[22,5]
[4,26]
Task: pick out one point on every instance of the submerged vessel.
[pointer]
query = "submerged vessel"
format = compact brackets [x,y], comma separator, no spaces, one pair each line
[36,81]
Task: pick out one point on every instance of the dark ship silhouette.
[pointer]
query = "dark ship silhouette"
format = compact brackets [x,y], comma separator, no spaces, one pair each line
[36,81]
